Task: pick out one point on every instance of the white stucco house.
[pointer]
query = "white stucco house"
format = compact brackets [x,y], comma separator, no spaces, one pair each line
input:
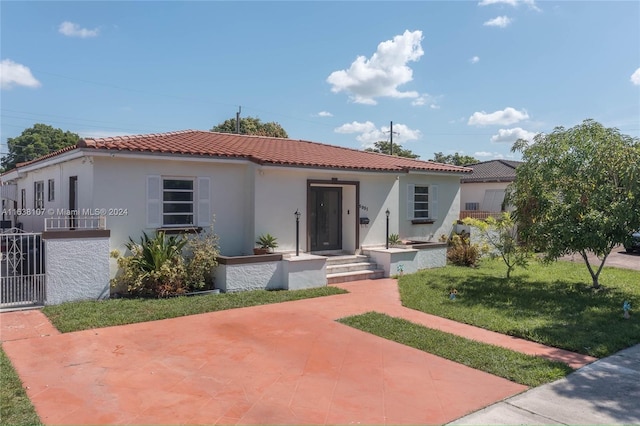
[483,191]
[250,184]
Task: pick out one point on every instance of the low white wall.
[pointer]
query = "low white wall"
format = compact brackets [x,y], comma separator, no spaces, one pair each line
[77,267]
[304,271]
[269,272]
[397,261]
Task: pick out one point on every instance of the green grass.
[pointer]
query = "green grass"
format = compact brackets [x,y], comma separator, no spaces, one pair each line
[554,305]
[520,368]
[15,407]
[76,316]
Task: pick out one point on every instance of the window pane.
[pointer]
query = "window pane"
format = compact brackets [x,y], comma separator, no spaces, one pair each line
[178,220]
[421,198]
[421,206]
[177,208]
[177,196]
[421,189]
[421,213]
[178,184]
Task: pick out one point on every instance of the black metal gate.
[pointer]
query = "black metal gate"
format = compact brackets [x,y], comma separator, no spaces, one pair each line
[22,274]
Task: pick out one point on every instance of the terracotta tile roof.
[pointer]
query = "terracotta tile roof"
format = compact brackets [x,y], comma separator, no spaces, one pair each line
[261,150]
[492,171]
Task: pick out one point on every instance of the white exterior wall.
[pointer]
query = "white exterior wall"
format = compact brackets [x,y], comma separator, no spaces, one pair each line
[473,192]
[121,184]
[448,207]
[60,173]
[280,191]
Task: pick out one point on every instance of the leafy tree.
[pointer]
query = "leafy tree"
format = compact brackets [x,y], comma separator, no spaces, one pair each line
[252,126]
[502,238]
[455,159]
[578,191]
[384,147]
[39,140]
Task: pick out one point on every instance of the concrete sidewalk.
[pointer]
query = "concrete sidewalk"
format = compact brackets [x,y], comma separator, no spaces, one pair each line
[604,392]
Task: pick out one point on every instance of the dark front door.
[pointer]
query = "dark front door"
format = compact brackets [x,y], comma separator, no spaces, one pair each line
[325,205]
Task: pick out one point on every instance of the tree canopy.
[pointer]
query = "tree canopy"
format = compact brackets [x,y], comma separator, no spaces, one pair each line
[578,191]
[252,126]
[384,147]
[34,142]
[455,159]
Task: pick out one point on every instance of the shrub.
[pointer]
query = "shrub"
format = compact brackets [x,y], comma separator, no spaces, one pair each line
[162,266]
[461,251]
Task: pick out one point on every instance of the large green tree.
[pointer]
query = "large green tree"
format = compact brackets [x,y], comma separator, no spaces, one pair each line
[34,142]
[384,147]
[252,126]
[578,191]
[455,159]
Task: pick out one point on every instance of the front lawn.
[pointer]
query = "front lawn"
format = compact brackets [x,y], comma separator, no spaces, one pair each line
[76,316]
[520,368]
[553,304]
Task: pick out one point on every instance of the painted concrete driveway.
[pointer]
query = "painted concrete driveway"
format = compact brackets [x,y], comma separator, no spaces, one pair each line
[288,363]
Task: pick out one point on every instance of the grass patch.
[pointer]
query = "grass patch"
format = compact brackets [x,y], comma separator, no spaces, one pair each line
[15,406]
[517,367]
[75,316]
[553,305]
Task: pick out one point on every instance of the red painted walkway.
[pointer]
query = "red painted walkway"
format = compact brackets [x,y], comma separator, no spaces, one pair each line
[287,363]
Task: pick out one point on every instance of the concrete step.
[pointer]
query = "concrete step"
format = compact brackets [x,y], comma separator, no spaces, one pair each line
[347,268]
[351,267]
[349,258]
[368,274]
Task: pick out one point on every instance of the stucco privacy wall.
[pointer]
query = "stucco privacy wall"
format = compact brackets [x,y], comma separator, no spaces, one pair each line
[76,268]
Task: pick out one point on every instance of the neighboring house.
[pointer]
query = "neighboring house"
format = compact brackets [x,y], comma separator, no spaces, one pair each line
[250,184]
[482,193]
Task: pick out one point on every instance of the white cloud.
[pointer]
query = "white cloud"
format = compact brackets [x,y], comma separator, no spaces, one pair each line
[635,77]
[13,74]
[505,117]
[380,75]
[475,59]
[481,154]
[425,99]
[512,135]
[500,21]
[514,3]
[324,114]
[370,134]
[71,29]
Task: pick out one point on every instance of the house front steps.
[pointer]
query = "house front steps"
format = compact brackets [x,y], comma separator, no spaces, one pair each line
[347,268]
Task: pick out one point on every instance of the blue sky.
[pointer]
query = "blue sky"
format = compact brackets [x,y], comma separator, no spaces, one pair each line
[457,76]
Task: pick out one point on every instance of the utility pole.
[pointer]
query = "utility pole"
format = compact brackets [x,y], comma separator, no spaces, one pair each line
[391,132]
[238,120]
[391,139]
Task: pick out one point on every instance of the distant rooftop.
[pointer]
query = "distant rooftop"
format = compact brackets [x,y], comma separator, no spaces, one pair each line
[492,171]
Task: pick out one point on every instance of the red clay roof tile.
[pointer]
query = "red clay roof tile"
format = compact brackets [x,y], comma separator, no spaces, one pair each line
[261,150]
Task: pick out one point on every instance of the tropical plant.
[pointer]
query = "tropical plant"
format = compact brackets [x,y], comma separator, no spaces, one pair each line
[394,239]
[267,241]
[164,265]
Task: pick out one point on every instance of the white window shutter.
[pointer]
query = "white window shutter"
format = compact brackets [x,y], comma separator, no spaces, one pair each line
[204,201]
[433,201]
[154,201]
[411,189]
